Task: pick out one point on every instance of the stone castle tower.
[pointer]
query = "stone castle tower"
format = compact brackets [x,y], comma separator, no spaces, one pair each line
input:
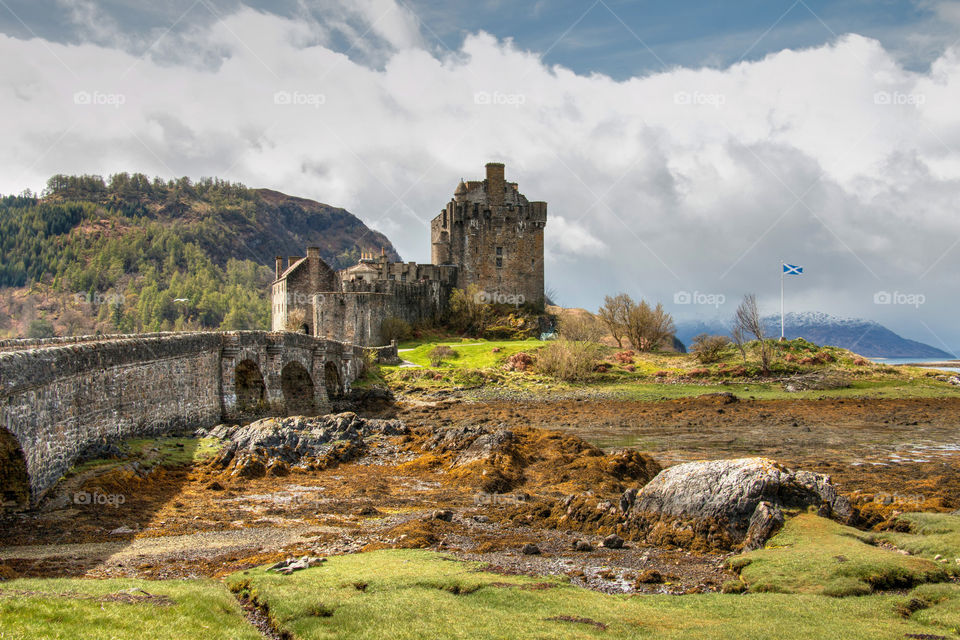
[494,236]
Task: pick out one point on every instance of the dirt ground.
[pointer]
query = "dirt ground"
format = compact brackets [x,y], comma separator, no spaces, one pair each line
[901,447]
[190,522]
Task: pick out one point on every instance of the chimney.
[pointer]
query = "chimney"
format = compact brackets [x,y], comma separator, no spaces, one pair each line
[495,183]
[291,260]
[313,252]
[279,266]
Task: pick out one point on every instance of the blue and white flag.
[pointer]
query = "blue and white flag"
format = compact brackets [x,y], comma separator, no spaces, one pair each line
[792,269]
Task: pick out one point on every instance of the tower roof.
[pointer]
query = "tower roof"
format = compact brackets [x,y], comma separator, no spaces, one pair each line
[461,189]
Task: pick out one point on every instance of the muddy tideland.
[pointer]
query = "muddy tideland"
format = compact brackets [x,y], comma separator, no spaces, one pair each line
[476,499]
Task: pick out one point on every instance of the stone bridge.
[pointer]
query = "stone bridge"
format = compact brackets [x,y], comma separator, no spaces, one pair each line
[62,396]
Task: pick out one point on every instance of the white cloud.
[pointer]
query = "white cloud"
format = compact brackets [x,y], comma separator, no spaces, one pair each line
[833,157]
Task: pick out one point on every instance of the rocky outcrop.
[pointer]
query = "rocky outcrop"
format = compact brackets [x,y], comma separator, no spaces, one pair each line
[500,459]
[728,504]
[278,445]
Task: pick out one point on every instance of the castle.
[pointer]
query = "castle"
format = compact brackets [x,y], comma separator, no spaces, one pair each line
[488,235]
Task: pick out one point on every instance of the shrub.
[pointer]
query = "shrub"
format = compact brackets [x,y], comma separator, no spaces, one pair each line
[394,329]
[698,373]
[440,353]
[519,362]
[624,357]
[733,586]
[296,319]
[709,348]
[40,328]
[581,327]
[568,360]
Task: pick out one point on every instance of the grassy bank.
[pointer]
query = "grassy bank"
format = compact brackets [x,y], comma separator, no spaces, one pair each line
[798,370]
[421,594]
[67,609]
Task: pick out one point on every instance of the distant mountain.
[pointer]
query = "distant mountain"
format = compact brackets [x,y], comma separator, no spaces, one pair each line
[134,254]
[865,337]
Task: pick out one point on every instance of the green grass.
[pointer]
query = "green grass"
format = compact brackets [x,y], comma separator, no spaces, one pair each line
[75,608]
[420,594]
[814,555]
[942,606]
[171,451]
[931,534]
[472,354]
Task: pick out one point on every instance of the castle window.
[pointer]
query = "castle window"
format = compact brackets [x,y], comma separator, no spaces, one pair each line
[444,219]
[499,262]
[403,277]
[499,251]
[393,277]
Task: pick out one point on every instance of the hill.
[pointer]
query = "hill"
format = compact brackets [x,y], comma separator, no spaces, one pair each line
[134,254]
[865,337]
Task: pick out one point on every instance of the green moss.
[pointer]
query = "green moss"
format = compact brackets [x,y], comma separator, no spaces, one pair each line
[931,534]
[819,556]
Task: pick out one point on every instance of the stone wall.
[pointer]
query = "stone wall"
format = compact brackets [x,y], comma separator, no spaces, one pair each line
[58,398]
[495,237]
[295,289]
[355,315]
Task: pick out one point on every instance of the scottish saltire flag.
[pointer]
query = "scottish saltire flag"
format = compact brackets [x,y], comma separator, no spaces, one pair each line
[792,269]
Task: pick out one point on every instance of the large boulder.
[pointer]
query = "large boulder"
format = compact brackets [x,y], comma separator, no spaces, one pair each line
[274,445]
[728,504]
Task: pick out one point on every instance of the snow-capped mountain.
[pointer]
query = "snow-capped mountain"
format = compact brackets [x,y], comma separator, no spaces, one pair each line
[865,337]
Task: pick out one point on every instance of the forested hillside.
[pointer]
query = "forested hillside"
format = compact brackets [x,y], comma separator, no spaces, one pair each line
[132,254]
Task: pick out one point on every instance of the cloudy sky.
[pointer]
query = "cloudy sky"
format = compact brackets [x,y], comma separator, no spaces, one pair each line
[682,147]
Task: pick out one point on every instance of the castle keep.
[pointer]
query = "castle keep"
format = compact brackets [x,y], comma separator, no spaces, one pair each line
[489,235]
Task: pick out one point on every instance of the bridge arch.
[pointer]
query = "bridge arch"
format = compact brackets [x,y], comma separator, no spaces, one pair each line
[14,480]
[298,389]
[332,381]
[250,388]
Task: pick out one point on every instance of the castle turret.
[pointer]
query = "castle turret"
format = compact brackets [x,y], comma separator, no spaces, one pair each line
[494,236]
[495,184]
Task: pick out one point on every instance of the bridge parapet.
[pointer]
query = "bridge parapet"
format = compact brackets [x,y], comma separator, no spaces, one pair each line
[59,396]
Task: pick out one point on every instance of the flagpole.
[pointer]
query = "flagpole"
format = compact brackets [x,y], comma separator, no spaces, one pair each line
[781,299]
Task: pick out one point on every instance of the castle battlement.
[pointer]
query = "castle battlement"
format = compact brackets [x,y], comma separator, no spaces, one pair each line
[494,236]
[489,236]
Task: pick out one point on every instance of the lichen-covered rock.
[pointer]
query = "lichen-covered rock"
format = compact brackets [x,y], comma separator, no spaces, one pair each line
[279,445]
[726,504]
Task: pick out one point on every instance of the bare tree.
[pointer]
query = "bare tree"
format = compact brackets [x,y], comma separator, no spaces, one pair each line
[748,320]
[615,314]
[740,341]
[649,327]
